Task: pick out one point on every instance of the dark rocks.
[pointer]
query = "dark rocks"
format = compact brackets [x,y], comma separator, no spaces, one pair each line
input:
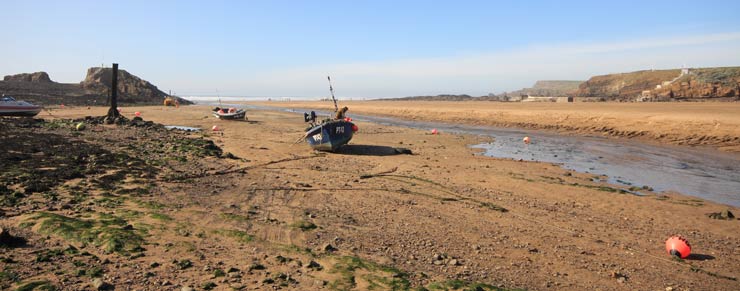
[328,248]
[724,215]
[314,265]
[8,240]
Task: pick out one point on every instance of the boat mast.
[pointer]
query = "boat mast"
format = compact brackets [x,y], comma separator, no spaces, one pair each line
[331,89]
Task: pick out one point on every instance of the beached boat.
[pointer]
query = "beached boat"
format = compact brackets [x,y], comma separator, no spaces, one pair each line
[330,135]
[11,107]
[230,113]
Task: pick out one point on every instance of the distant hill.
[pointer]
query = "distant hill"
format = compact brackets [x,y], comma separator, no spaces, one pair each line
[666,85]
[548,88]
[93,90]
[442,97]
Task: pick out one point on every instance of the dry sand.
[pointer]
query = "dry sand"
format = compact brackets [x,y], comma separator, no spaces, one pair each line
[436,215]
[711,124]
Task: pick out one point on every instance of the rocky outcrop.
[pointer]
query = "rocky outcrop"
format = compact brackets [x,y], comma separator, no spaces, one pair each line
[624,86]
[701,84]
[99,79]
[38,77]
[666,85]
[94,90]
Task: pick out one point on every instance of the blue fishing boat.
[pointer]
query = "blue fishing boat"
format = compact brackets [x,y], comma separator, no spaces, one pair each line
[331,133]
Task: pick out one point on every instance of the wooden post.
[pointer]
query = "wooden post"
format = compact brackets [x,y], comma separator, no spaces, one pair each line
[113,111]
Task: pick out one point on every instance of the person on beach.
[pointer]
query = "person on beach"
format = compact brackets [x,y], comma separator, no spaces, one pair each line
[341,112]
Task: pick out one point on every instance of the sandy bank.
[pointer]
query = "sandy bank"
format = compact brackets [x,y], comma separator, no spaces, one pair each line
[694,124]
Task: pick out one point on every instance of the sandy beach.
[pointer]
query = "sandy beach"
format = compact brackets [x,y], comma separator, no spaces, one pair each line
[277,215]
[709,124]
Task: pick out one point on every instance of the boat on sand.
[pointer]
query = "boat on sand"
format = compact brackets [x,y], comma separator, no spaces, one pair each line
[230,113]
[11,107]
[331,133]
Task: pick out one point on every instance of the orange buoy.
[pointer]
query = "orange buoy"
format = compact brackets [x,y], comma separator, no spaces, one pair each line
[137,113]
[678,246]
[434,131]
[526,139]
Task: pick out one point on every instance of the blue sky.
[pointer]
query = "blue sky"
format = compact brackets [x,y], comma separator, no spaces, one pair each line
[371,48]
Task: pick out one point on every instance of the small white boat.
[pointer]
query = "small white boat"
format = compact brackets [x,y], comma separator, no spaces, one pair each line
[10,107]
[230,113]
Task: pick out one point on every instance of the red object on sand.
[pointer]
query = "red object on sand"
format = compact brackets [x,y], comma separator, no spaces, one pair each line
[137,113]
[678,246]
[62,106]
[434,131]
[215,128]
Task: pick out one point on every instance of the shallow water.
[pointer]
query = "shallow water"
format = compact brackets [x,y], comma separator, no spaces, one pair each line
[699,172]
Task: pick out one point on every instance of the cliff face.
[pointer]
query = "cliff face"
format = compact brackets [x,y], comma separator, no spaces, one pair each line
[665,85]
[129,86]
[38,77]
[624,86]
[711,83]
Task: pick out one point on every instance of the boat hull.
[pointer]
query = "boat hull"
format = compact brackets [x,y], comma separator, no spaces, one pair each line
[19,111]
[329,136]
[240,114]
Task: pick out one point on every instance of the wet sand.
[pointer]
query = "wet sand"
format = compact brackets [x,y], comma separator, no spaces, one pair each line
[712,124]
[441,214]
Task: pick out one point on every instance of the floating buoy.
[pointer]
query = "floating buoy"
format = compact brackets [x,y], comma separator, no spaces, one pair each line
[80,126]
[526,139]
[434,131]
[215,128]
[137,113]
[355,128]
[678,246]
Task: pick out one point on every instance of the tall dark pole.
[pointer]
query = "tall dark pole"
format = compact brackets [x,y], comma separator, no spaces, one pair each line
[113,111]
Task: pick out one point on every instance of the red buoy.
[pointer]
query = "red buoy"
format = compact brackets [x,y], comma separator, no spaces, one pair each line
[355,128]
[678,246]
[137,113]
[434,131]
[347,119]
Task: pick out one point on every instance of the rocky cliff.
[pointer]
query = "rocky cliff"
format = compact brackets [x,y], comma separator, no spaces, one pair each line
[130,87]
[665,85]
[38,77]
[701,84]
[93,90]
